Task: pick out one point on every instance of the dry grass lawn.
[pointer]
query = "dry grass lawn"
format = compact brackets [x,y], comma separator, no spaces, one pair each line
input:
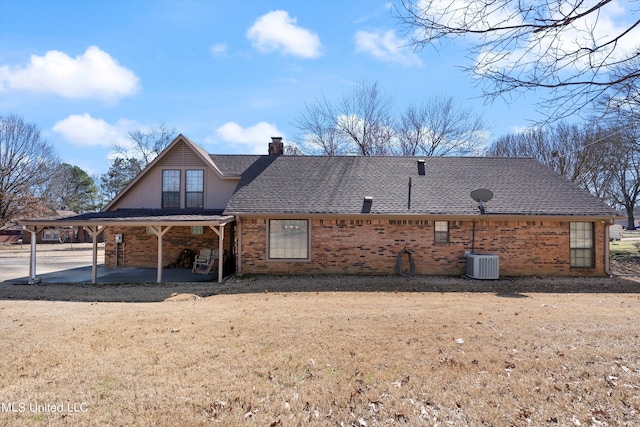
[323,359]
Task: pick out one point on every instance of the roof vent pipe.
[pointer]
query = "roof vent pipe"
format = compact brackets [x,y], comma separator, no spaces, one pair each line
[276,146]
[421,170]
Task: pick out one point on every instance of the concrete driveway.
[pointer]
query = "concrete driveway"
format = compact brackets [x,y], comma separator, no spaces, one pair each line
[66,263]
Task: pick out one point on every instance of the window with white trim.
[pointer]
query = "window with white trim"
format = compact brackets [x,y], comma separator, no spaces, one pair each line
[171,188]
[194,189]
[288,239]
[581,244]
[50,234]
[441,231]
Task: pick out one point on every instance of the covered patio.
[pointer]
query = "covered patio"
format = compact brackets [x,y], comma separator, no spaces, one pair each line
[157,222]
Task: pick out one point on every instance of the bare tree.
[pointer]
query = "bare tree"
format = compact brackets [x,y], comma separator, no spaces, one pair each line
[573,151]
[602,160]
[130,160]
[620,109]
[27,163]
[145,146]
[358,123]
[570,49]
[317,125]
[624,158]
[361,123]
[439,127]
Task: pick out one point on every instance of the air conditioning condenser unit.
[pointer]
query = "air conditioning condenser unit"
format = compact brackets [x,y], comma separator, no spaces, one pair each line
[482,266]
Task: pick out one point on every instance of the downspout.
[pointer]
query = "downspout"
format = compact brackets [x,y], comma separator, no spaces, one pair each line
[473,237]
[239,245]
[607,256]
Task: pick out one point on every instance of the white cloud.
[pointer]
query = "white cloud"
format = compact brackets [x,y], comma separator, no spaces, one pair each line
[253,139]
[94,74]
[219,49]
[277,31]
[84,130]
[386,46]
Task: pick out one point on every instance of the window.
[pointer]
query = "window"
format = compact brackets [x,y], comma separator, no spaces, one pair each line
[581,244]
[441,232]
[194,195]
[288,239]
[196,230]
[50,234]
[170,188]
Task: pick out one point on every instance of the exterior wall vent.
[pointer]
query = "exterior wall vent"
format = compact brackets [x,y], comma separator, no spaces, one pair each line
[482,266]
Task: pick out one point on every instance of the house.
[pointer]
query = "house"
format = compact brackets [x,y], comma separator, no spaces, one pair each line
[60,234]
[11,234]
[282,214]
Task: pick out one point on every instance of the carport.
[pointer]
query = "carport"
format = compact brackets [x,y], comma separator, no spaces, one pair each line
[157,221]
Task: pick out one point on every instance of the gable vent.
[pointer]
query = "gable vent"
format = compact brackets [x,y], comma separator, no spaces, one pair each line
[421,170]
[181,155]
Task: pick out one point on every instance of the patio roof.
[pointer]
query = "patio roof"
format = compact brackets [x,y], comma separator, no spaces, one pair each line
[135,217]
[159,221]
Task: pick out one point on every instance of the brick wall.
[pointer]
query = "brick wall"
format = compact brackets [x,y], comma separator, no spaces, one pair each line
[351,246]
[140,249]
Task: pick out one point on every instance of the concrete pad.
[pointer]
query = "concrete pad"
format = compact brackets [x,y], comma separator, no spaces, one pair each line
[64,264]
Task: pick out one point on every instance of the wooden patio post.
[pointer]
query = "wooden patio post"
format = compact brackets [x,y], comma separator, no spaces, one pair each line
[95,232]
[159,232]
[32,256]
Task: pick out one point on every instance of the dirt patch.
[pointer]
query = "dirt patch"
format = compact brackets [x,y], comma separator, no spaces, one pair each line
[182,297]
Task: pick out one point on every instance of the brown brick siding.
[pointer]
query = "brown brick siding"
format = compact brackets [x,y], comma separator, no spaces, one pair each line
[140,249]
[370,246]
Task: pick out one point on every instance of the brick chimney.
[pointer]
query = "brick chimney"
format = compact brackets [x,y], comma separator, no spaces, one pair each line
[276,146]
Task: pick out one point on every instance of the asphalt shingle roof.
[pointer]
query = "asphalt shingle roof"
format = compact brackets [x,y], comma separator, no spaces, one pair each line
[234,165]
[338,185]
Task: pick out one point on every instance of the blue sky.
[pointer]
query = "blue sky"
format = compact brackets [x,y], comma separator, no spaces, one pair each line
[226,74]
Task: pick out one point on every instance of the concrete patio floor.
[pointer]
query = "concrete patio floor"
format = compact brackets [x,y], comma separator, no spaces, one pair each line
[61,264]
[115,275]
